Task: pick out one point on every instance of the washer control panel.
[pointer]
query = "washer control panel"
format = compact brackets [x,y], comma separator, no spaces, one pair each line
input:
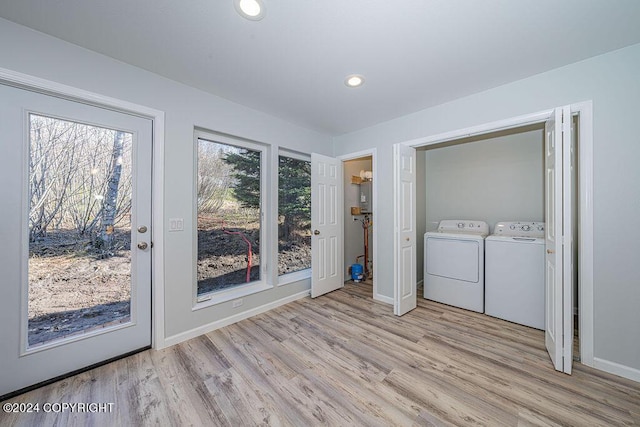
[463,226]
[519,229]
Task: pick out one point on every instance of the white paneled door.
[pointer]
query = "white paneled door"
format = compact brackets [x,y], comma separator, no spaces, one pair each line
[327,261]
[75,256]
[405,230]
[558,274]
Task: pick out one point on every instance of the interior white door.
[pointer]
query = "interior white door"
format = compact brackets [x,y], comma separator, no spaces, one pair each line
[405,287]
[44,179]
[327,261]
[568,160]
[558,305]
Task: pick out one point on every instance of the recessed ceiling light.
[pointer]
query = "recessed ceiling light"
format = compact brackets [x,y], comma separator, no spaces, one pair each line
[354,80]
[250,9]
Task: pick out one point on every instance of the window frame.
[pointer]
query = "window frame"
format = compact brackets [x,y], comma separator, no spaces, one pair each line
[296,276]
[242,290]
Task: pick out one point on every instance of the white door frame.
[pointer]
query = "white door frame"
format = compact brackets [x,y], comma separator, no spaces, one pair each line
[47,87]
[585,201]
[374,210]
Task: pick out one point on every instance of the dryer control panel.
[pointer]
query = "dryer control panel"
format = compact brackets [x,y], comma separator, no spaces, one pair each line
[519,229]
[463,226]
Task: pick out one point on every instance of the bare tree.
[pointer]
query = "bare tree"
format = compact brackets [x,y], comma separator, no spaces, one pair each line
[110,201]
[51,171]
[214,177]
[80,178]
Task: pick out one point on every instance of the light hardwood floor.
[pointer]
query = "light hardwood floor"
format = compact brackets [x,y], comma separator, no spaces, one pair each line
[344,359]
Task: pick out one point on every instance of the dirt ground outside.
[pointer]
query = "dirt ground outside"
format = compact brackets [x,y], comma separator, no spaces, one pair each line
[223,257]
[75,288]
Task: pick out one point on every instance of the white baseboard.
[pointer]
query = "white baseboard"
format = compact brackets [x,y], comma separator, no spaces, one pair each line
[200,330]
[616,369]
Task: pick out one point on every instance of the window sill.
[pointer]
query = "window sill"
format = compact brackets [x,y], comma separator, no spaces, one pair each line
[218,297]
[296,276]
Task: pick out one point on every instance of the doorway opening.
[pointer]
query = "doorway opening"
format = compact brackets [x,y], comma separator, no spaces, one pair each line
[579,170]
[78,259]
[492,177]
[359,235]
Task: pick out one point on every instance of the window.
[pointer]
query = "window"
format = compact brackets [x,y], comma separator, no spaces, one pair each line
[229,198]
[294,214]
[80,200]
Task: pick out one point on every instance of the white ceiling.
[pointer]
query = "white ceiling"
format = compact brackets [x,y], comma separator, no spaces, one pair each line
[413,53]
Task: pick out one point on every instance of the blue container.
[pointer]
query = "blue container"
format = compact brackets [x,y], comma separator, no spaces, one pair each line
[357,272]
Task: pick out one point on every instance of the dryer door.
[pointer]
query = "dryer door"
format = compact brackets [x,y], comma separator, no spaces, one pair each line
[454,259]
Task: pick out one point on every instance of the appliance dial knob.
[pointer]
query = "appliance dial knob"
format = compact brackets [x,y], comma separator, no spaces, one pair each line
[513,227]
[526,228]
[471,225]
[461,225]
[540,228]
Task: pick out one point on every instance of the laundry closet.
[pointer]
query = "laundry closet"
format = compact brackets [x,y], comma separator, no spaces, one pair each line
[492,178]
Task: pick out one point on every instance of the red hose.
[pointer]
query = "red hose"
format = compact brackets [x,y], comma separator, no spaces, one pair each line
[249,249]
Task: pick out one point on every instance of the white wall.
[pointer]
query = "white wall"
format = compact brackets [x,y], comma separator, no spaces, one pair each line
[494,179]
[36,54]
[612,82]
[353,232]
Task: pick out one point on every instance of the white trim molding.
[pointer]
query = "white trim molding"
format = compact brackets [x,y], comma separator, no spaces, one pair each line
[497,126]
[47,87]
[204,329]
[616,369]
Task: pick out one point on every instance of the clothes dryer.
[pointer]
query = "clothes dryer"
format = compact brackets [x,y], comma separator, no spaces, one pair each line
[454,263]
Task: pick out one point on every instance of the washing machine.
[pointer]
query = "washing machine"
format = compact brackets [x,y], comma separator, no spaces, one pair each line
[514,273]
[454,263]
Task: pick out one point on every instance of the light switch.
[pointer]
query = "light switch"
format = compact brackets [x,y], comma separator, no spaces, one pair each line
[176,224]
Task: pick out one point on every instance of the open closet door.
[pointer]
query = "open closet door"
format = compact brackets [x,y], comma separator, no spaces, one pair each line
[404,265]
[327,217]
[558,258]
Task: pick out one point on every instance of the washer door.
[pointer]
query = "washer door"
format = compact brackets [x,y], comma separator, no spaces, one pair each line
[454,259]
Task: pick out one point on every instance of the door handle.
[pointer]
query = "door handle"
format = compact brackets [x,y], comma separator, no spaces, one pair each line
[143,245]
[142,229]
[551,251]
[316,232]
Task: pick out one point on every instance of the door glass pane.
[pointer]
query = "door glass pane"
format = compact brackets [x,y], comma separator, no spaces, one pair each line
[79,228]
[294,215]
[228,216]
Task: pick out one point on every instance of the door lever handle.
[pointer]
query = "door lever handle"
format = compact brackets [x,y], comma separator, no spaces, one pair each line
[551,251]
[316,232]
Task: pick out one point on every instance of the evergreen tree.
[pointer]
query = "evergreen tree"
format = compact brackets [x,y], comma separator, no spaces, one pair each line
[294,186]
[246,172]
[294,193]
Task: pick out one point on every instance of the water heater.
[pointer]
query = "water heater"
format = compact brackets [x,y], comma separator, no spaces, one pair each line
[365,197]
